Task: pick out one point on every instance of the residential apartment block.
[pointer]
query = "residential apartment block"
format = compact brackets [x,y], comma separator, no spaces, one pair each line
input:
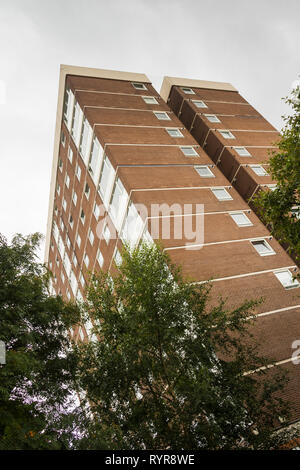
[180,166]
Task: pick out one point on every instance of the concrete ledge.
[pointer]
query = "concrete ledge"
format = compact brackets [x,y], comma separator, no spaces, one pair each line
[103,73]
[168,82]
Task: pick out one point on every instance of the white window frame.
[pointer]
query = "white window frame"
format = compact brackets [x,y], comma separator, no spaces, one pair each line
[70,154]
[229,134]
[67,180]
[91,237]
[199,104]
[247,223]
[242,151]
[139,86]
[260,169]
[150,100]
[74,198]
[174,129]
[294,282]
[162,115]
[262,240]
[78,172]
[187,90]
[106,233]
[78,240]
[100,258]
[206,167]
[212,118]
[86,260]
[96,211]
[190,148]
[228,197]
[82,216]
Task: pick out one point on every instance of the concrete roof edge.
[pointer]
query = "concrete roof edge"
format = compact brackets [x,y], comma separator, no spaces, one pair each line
[104,73]
[168,82]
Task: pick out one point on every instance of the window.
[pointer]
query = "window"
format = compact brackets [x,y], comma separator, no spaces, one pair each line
[57,261]
[174,132]
[82,216]
[221,194]
[118,257]
[62,277]
[70,154]
[91,237]
[240,219]
[100,258]
[74,198]
[118,200]
[106,233]
[77,124]
[68,181]
[62,226]
[78,172]
[199,103]
[78,240]
[259,170]
[60,164]
[139,86]
[81,279]
[87,191]
[63,138]
[242,151]
[86,260]
[187,91]
[96,211]
[212,118]
[149,99]
[68,242]
[58,189]
[162,115]
[189,151]
[227,135]
[85,139]
[271,187]
[68,294]
[75,261]
[64,204]
[204,171]
[71,221]
[286,279]
[95,159]
[106,179]
[263,248]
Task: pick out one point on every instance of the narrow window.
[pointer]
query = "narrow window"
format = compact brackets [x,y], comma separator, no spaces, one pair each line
[242,151]
[149,99]
[286,279]
[91,237]
[227,135]
[78,172]
[212,118]
[82,216]
[174,132]
[78,240]
[199,103]
[74,198]
[87,191]
[259,170]
[189,151]
[139,86]
[188,91]
[162,116]
[262,247]
[68,181]
[100,258]
[240,219]
[204,171]
[221,194]
[70,154]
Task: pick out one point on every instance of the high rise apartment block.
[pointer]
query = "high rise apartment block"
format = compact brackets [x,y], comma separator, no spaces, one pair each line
[180,166]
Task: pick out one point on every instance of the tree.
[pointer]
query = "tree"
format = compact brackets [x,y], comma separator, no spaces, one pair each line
[280,209]
[36,384]
[168,372]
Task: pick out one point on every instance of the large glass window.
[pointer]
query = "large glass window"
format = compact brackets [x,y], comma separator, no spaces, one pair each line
[85,140]
[95,159]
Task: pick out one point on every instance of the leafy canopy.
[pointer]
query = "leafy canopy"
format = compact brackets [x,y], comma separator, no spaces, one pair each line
[36,384]
[280,209]
[168,371]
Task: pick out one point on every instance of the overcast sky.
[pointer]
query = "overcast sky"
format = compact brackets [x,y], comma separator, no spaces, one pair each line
[252,44]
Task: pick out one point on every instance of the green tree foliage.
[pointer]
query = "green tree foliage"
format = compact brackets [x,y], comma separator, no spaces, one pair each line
[37,381]
[280,209]
[154,380]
